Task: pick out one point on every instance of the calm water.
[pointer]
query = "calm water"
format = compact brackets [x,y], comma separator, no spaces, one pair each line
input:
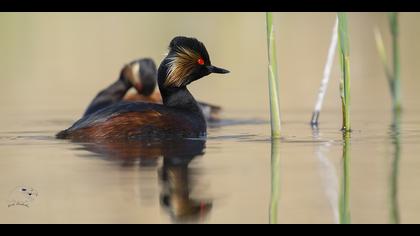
[232,182]
[237,175]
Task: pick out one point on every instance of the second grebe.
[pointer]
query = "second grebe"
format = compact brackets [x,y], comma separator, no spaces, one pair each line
[180,115]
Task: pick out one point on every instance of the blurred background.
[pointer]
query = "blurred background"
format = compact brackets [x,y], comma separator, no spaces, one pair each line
[53,64]
[56,60]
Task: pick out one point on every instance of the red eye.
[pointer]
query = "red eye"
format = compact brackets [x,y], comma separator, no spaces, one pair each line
[200,61]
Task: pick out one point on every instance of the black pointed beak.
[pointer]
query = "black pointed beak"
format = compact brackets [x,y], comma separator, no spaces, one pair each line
[214,69]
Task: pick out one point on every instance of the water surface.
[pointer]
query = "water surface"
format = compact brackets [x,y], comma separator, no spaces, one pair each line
[55,63]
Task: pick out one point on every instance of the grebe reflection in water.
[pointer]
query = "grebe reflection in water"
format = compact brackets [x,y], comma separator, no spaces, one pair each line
[174,173]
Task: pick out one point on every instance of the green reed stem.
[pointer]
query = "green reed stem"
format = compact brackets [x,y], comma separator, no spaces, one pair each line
[343,47]
[273,78]
[393,22]
[344,203]
[275,180]
[393,75]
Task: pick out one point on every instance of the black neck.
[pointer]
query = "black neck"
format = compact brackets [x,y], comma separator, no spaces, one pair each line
[175,97]
[179,98]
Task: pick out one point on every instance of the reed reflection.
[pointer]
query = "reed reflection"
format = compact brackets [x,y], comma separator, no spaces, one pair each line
[344,199]
[395,136]
[328,172]
[175,176]
[275,181]
[337,187]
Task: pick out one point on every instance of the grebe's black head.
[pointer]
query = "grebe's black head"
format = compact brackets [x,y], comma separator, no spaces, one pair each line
[186,62]
[142,75]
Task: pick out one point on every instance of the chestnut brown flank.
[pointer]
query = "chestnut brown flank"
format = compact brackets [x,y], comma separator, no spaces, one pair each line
[129,124]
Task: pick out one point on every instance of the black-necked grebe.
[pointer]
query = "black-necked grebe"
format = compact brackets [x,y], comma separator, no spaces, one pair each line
[139,74]
[179,116]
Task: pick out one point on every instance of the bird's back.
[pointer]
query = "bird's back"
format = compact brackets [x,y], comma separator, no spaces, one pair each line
[136,120]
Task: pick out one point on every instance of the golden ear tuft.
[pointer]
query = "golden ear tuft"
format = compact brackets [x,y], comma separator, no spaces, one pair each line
[180,66]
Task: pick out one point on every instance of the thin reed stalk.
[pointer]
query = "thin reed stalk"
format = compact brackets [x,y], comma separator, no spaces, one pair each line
[326,76]
[344,50]
[393,22]
[273,78]
[393,75]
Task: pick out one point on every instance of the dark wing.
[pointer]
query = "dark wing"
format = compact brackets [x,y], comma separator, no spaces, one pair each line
[109,96]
